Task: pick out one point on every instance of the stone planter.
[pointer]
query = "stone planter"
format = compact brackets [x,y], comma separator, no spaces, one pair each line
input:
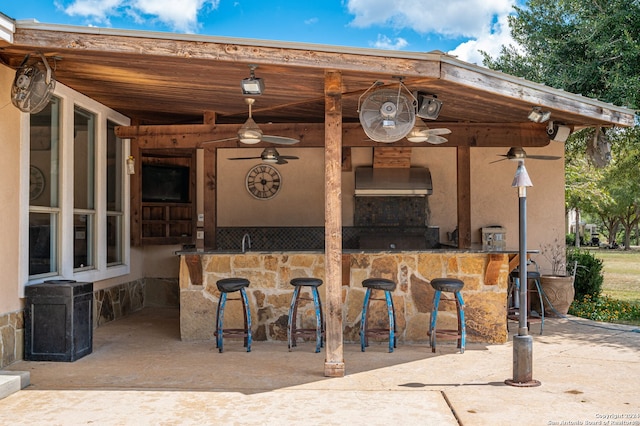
[559,292]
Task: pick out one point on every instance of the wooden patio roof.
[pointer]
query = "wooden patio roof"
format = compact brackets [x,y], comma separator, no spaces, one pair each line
[169,79]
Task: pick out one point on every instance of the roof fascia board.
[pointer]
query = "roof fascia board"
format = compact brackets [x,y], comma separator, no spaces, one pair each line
[7,28]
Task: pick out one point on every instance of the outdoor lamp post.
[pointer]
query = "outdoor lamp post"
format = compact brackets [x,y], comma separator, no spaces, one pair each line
[522,342]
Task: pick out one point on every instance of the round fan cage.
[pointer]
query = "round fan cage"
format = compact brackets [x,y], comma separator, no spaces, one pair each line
[387,115]
[32,86]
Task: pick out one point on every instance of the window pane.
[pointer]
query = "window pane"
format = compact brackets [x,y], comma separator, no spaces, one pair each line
[114,239]
[43,156]
[83,159]
[82,241]
[115,163]
[42,243]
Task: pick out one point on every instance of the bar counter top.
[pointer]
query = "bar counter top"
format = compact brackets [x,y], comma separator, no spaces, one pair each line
[475,248]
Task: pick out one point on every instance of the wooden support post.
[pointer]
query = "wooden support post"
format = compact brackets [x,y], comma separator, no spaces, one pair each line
[209,192]
[334,360]
[464,196]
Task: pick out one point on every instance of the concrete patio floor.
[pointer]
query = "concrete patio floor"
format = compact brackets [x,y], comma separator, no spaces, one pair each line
[140,373]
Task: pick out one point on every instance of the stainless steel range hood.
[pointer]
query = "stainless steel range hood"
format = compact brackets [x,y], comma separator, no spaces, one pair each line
[393,182]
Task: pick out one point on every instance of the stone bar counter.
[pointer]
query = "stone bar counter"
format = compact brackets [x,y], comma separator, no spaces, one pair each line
[485,276]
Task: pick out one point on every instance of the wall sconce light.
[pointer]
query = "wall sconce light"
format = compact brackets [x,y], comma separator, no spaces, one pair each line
[537,115]
[252,85]
[131,165]
[428,106]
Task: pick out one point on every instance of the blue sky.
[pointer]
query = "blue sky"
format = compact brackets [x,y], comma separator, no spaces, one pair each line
[459,27]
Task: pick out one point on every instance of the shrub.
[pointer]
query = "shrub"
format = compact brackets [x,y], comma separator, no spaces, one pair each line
[605,309]
[589,276]
[570,240]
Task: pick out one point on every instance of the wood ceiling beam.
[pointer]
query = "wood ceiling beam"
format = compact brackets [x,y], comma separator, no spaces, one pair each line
[312,135]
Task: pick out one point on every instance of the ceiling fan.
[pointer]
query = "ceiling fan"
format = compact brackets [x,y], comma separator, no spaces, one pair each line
[517,153]
[270,155]
[251,134]
[421,133]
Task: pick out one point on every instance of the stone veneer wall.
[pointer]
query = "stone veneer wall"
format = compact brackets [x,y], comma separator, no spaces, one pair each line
[270,293]
[108,305]
[11,338]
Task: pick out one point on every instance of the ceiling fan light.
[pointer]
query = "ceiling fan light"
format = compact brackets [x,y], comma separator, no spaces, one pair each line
[418,132]
[250,133]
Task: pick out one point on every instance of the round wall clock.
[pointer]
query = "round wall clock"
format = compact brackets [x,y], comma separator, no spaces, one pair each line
[36,182]
[263,181]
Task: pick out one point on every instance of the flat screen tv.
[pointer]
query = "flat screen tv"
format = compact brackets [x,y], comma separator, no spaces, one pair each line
[165,183]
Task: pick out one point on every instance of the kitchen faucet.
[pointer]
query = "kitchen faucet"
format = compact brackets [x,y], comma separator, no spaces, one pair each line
[246,238]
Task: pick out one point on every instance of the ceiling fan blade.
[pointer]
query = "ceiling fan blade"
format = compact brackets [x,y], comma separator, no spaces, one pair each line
[220,140]
[436,140]
[543,157]
[289,157]
[281,161]
[279,140]
[502,159]
[440,131]
[244,158]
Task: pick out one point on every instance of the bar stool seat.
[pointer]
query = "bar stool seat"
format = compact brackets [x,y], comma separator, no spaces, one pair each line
[293,332]
[231,285]
[388,286]
[448,285]
[513,311]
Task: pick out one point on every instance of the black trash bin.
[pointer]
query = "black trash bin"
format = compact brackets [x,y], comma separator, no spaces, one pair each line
[58,320]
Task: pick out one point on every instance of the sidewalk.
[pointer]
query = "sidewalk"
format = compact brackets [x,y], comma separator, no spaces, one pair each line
[140,373]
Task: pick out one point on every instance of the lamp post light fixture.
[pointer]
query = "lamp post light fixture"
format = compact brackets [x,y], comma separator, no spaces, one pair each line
[522,342]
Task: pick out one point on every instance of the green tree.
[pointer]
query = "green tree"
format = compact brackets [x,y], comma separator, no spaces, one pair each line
[590,47]
[587,47]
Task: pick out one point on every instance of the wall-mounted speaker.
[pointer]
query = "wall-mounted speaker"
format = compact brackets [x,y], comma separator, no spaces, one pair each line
[558,132]
[428,106]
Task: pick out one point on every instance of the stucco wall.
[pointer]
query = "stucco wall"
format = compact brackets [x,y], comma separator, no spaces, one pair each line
[10,195]
[493,200]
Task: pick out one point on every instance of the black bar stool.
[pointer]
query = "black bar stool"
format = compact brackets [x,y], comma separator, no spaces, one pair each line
[388,286]
[533,286]
[231,285]
[292,330]
[449,285]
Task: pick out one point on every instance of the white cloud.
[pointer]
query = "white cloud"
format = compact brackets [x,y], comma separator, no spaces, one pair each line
[97,10]
[490,42]
[483,22]
[180,16]
[385,42]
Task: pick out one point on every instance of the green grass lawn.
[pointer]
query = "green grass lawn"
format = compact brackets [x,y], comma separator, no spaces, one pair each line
[621,274]
[620,298]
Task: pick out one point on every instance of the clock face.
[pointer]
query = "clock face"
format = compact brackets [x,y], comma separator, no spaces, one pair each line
[263,181]
[36,183]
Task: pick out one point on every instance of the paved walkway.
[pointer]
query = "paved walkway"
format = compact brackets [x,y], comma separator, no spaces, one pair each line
[140,373]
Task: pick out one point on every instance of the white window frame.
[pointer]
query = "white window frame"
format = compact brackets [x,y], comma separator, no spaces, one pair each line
[69,99]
